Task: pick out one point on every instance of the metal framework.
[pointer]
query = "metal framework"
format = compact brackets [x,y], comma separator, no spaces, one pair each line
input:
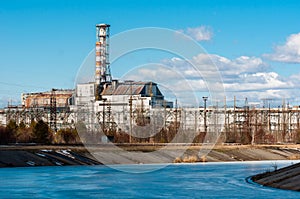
[53,111]
[102,70]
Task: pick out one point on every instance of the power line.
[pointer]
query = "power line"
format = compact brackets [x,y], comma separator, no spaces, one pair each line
[22,85]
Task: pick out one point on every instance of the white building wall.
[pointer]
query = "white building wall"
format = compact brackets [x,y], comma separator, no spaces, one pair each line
[85,94]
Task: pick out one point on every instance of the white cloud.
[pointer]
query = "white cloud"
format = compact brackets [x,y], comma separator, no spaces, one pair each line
[242,64]
[201,33]
[209,64]
[242,77]
[288,52]
[261,81]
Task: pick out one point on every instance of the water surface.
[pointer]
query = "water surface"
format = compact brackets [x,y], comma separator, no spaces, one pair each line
[203,180]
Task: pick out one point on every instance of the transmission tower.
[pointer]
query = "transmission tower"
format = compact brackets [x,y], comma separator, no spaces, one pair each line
[53,110]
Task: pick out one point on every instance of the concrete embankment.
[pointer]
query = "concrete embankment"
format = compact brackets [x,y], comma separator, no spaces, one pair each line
[44,156]
[143,154]
[13,156]
[284,178]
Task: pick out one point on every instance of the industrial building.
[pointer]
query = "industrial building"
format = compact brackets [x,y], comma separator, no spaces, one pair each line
[56,105]
[108,101]
[120,93]
[62,98]
[51,106]
[124,105]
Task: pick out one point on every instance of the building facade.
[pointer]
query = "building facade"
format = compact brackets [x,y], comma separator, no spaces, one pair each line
[43,99]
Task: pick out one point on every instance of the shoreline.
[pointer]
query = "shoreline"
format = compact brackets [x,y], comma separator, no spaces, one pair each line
[286,178]
[63,155]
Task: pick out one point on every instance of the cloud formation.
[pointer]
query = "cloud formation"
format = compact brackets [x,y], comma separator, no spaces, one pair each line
[250,77]
[201,33]
[232,69]
[242,77]
[288,52]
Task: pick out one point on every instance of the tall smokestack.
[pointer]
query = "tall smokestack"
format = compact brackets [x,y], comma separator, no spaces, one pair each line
[102,70]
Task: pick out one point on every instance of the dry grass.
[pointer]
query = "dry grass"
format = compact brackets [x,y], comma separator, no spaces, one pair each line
[187,159]
[203,159]
[294,157]
[177,160]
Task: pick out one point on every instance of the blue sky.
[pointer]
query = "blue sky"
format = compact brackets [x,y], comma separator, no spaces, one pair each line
[43,42]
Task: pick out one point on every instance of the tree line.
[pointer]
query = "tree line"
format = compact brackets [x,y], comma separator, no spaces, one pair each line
[40,133]
[37,132]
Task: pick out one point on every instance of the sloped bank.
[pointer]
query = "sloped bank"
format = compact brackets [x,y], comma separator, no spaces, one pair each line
[53,156]
[15,156]
[285,178]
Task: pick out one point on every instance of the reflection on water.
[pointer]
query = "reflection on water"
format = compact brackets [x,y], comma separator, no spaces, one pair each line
[204,180]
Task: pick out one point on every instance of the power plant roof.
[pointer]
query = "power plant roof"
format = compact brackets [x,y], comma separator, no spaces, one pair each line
[128,88]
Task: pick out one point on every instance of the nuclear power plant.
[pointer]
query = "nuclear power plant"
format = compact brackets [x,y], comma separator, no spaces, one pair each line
[113,106]
[62,108]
